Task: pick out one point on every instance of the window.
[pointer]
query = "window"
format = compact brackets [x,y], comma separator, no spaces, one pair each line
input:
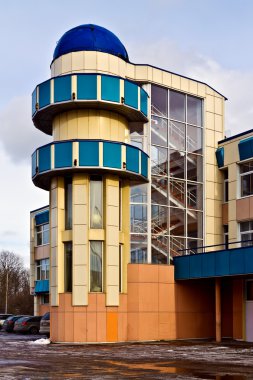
[68,267]
[96,202]
[96,266]
[249,290]
[138,248]
[246,230]
[42,234]
[44,300]
[42,269]
[225,185]
[246,174]
[68,203]
[120,205]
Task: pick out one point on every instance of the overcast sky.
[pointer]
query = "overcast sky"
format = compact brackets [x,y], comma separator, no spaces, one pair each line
[209,40]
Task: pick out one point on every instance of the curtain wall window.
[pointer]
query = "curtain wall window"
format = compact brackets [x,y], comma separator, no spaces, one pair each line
[96,202]
[96,266]
[68,266]
[68,204]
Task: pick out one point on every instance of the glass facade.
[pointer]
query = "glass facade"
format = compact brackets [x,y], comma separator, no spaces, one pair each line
[42,234]
[42,269]
[175,145]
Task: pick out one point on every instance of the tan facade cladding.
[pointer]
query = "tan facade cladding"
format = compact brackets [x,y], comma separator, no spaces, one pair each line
[90,124]
[237,209]
[98,62]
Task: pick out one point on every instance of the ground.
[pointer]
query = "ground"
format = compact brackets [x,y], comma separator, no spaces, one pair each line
[20,359]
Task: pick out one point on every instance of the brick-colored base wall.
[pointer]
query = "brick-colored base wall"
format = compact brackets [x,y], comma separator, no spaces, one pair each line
[154,308]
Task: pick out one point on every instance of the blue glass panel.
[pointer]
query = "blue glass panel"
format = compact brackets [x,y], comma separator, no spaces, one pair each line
[222,263]
[34,101]
[246,148]
[89,153]
[220,157]
[131,94]
[110,88]
[62,88]
[44,158]
[182,267]
[63,154]
[34,163]
[144,102]
[44,94]
[195,266]
[144,164]
[112,155]
[42,286]
[208,265]
[132,159]
[42,218]
[87,87]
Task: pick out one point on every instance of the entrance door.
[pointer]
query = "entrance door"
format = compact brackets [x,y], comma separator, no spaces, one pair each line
[249,311]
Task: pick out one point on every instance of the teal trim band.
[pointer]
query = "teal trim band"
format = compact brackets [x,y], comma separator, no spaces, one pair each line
[66,97]
[246,148]
[42,218]
[220,157]
[90,159]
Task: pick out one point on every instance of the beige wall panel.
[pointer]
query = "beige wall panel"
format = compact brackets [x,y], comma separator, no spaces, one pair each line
[210,157]
[218,227]
[232,210]
[150,73]
[157,76]
[53,277]
[184,84]
[66,63]
[209,190]
[80,212]
[233,231]
[209,103]
[210,139]
[175,82]
[53,237]
[58,66]
[210,120]
[83,124]
[210,91]
[81,194]
[232,190]
[113,65]
[105,126]
[231,155]
[79,275]
[112,275]
[79,297]
[218,121]
[166,79]
[218,137]
[77,61]
[81,254]
[122,68]
[112,215]
[210,173]
[141,72]
[66,236]
[63,126]
[53,257]
[96,234]
[53,218]
[112,296]
[94,125]
[72,125]
[113,256]
[202,90]
[112,235]
[130,71]
[218,105]
[113,196]
[234,168]
[193,87]
[210,220]
[80,234]
[90,60]
[103,62]
[210,205]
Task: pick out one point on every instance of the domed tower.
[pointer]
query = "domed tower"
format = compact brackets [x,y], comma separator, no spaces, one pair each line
[88,170]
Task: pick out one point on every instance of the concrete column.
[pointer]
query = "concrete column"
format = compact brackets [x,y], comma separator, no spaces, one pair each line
[218,309]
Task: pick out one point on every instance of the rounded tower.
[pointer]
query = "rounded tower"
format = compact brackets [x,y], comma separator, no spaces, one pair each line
[88,169]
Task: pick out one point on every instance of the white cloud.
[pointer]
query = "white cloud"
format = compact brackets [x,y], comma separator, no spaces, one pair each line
[19,137]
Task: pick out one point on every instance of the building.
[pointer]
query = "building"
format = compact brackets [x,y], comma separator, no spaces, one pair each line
[135,173]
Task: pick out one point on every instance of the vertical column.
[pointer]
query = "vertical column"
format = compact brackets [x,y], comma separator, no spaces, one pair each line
[32,252]
[112,241]
[57,222]
[80,240]
[125,231]
[218,309]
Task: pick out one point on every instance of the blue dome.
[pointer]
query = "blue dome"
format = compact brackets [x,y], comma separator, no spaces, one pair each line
[90,37]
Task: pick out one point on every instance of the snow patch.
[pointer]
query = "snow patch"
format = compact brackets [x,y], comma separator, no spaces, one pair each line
[41,341]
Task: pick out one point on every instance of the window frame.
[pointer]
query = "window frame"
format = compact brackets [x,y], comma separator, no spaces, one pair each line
[42,233]
[102,266]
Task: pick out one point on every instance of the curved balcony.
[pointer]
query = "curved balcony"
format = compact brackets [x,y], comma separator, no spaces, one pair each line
[89,156]
[69,92]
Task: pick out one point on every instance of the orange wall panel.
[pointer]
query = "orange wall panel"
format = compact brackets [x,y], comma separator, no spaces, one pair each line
[112,327]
